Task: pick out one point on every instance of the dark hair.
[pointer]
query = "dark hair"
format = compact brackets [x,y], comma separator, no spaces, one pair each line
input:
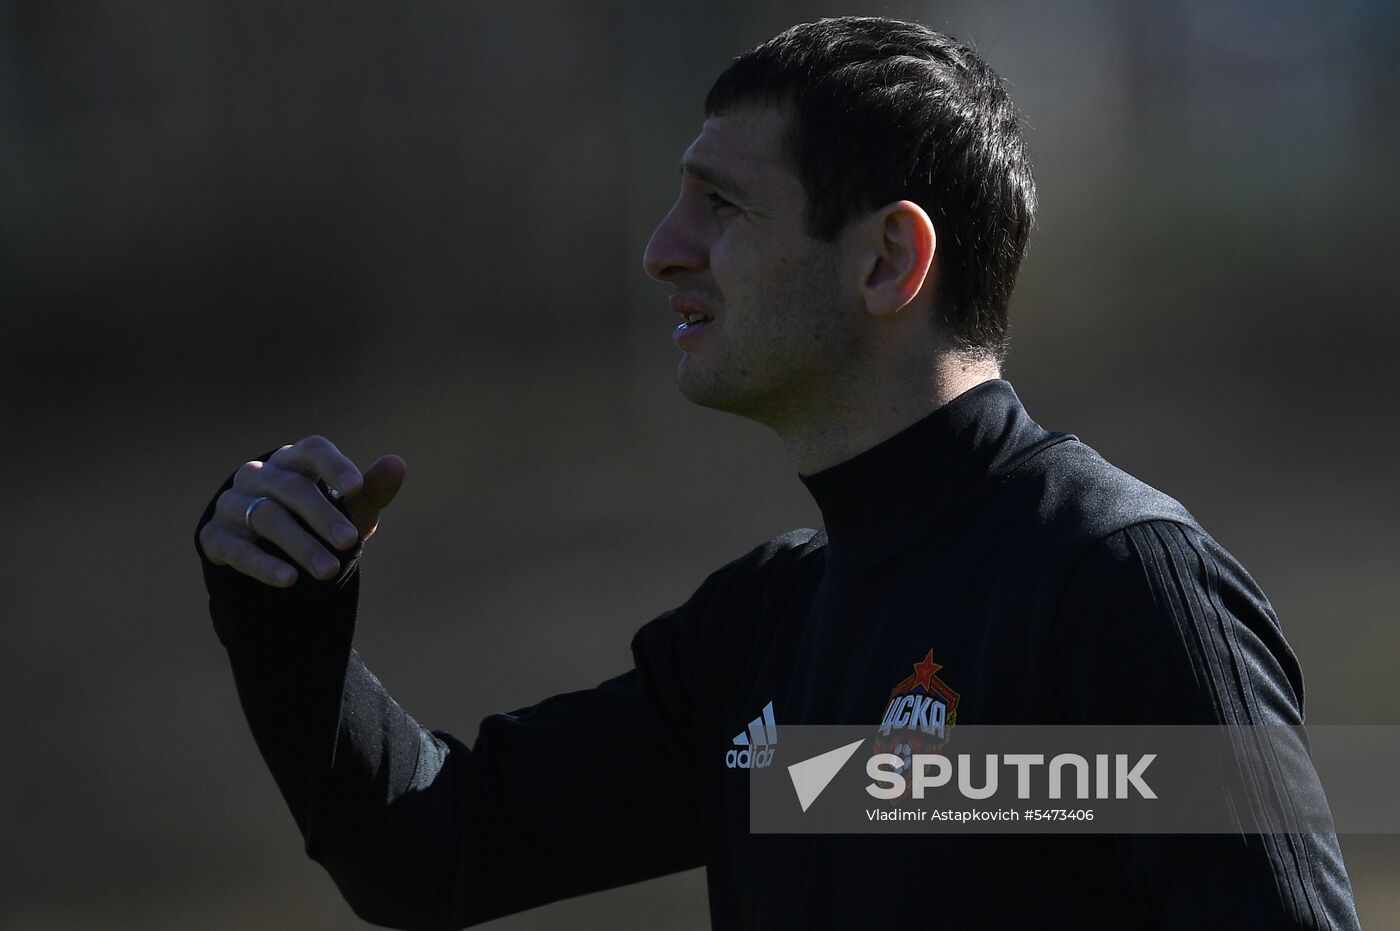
[885,111]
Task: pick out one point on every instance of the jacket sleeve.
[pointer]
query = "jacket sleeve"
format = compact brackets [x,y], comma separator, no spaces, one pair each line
[581,792]
[1158,624]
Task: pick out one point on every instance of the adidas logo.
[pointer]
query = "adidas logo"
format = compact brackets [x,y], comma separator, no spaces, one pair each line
[755,746]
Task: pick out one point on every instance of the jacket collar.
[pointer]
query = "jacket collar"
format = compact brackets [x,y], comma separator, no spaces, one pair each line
[888,498]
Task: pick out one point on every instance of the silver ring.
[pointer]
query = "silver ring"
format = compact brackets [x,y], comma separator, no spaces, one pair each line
[248,514]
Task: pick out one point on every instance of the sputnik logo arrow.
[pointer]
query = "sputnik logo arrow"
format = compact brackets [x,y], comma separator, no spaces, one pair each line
[812,776]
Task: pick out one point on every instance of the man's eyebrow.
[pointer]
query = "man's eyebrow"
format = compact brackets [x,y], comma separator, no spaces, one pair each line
[713,177]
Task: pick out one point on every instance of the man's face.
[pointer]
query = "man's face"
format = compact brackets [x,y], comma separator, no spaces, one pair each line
[782,329]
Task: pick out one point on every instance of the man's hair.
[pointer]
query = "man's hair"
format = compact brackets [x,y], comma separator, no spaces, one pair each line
[885,111]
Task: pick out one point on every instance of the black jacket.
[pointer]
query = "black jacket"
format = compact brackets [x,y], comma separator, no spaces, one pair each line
[1045,584]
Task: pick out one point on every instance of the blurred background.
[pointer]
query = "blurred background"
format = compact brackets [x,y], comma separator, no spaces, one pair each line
[418,227]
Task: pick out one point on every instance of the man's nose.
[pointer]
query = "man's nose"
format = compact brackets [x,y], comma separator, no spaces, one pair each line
[674,248]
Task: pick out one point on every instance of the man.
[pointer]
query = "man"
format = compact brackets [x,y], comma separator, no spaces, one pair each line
[850,224]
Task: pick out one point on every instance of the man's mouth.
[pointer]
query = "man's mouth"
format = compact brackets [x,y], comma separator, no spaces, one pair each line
[691,330]
[692,307]
[696,319]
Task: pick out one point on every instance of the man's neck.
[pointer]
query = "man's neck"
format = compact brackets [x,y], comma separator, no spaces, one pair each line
[849,429]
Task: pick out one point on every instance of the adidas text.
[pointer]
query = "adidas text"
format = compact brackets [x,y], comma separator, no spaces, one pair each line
[753,748]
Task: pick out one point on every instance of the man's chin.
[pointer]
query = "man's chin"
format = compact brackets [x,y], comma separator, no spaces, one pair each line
[705,390]
[695,389]
[702,388]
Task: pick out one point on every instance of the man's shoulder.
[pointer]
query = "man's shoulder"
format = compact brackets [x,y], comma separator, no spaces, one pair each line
[792,545]
[762,567]
[1077,493]
[722,618]
[778,557]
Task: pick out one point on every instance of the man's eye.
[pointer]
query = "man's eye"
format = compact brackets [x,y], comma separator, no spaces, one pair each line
[717,202]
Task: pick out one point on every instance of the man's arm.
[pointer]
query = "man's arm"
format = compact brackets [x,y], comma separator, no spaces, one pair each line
[1158,624]
[581,792]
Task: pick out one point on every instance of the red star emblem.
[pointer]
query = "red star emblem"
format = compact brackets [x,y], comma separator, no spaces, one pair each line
[926,677]
[924,671]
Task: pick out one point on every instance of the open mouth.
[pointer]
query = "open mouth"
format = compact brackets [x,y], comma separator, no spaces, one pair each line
[696,320]
[692,328]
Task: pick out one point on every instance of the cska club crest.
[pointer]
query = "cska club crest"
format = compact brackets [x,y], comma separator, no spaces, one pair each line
[921,712]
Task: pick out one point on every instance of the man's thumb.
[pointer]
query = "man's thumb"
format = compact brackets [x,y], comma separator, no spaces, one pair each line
[382,482]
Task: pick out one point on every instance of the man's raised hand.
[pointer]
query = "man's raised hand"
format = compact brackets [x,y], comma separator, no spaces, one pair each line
[287,480]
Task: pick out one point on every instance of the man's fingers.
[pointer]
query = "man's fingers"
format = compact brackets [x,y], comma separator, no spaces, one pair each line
[288,479]
[274,523]
[382,482]
[317,457]
[223,548]
[298,494]
[295,515]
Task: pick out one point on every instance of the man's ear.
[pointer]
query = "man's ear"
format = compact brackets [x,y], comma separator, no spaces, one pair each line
[898,245]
